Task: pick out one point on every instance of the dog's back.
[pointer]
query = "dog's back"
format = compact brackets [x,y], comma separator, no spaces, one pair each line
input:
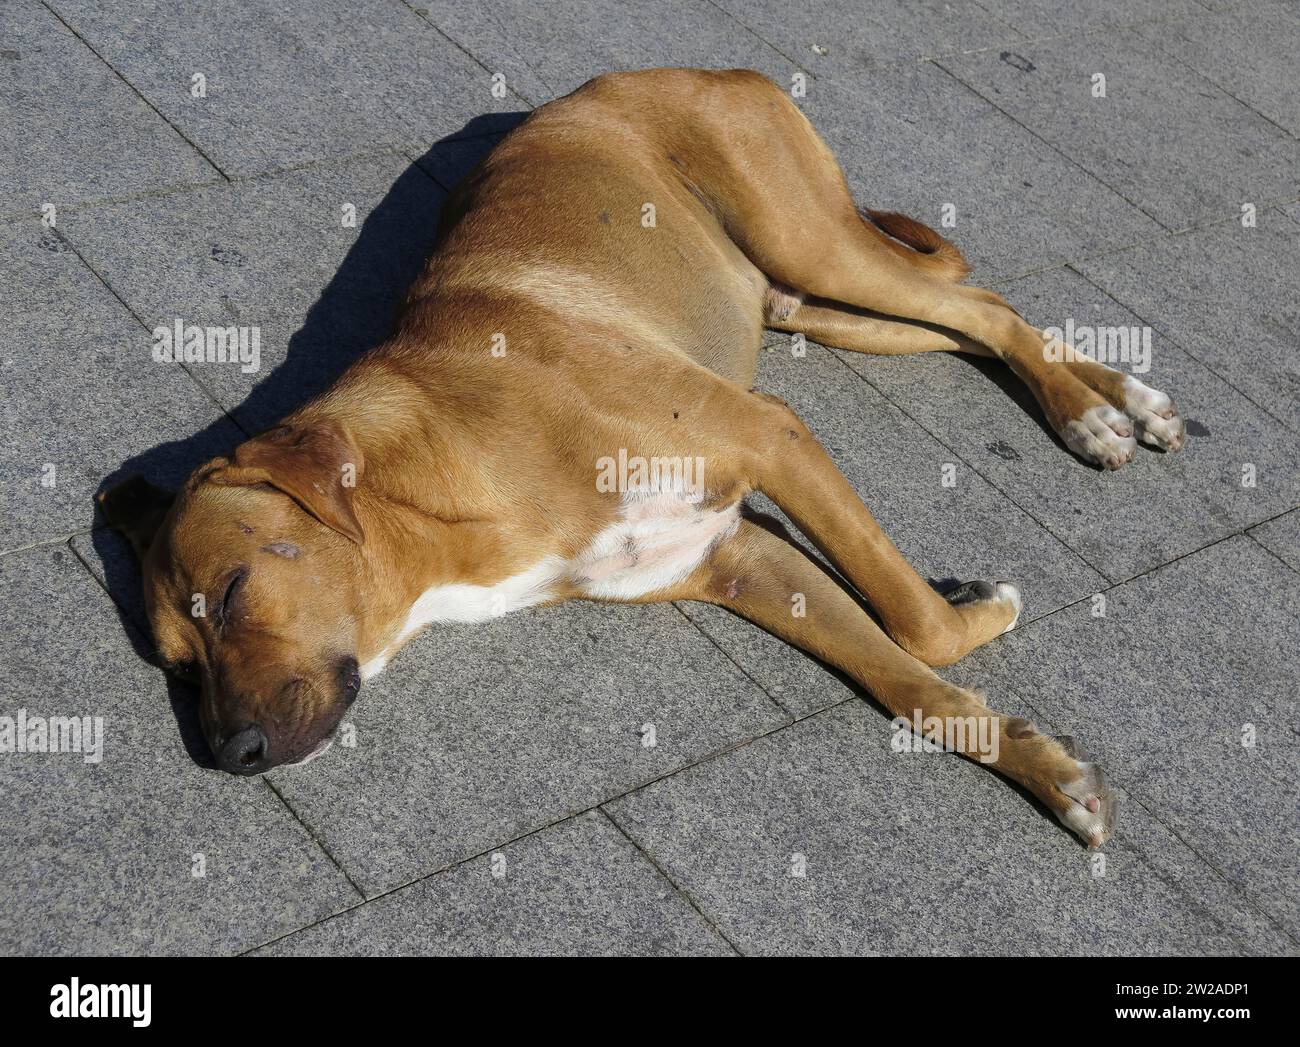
[603,208]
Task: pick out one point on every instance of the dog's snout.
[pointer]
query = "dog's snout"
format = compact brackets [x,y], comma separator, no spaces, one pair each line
[246,751]
[287,725]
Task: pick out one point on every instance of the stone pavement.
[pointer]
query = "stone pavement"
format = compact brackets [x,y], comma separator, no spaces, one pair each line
[165,160]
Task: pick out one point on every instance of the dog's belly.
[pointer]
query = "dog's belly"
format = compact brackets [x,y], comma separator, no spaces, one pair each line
[658,539]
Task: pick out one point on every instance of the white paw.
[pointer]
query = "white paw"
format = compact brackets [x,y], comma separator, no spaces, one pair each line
[1153,413]
[1092,807]
[1103,436]
[978,591]
[1011,594]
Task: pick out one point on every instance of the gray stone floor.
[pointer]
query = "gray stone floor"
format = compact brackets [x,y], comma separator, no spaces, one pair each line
[499,797]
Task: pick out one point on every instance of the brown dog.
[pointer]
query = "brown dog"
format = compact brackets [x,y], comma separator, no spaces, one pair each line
[565,412]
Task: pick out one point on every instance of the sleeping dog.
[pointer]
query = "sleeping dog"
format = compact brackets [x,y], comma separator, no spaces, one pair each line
[565,411]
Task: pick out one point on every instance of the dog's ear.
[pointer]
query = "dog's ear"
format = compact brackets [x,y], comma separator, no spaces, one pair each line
[136,508]
[315,465]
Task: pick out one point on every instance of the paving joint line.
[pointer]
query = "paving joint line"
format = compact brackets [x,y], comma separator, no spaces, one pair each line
[464,50]
[113,69]
[293,813]
[402,149]
[138,319]
[447,866]
[998,19]
[85,563]
[682,893]
[745,672]
[91,205]
[86,206]
[1271,203]
[43,543]
[761,38]
[1218,873]
[1275,556]
[506,39]
[1215,83]
[1038,137]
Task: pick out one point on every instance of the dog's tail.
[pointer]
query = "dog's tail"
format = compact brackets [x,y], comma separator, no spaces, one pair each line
[928,248]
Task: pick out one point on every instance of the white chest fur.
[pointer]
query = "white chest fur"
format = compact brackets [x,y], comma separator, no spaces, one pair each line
[656,542]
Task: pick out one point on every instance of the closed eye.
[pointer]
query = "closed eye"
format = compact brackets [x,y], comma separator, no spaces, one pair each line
[186,671]
[228,607]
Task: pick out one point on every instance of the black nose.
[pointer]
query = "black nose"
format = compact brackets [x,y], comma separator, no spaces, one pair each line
[349,680]
[245,752]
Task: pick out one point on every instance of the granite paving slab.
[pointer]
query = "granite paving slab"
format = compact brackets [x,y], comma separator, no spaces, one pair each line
[577,888]
[129,846]
[80,133]
[822,839]
[1133,137]
[314,262]
[84,397]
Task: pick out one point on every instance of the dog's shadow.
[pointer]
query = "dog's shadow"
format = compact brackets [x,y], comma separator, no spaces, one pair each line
[356,311]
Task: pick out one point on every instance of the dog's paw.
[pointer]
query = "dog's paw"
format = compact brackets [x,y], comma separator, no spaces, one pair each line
[1086,805]
[1102,436]
[984,592]
[1153,415]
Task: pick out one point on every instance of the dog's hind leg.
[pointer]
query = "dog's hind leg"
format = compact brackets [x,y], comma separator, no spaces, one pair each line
[792,215]
[767,580]
[863,331]
[1089,425]
[1154,417]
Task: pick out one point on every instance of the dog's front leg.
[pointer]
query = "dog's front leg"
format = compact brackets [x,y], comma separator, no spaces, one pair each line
[772,583]
[750,441]
[785,461]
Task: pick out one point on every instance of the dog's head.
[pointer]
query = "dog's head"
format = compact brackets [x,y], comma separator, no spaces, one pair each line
[252,583]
